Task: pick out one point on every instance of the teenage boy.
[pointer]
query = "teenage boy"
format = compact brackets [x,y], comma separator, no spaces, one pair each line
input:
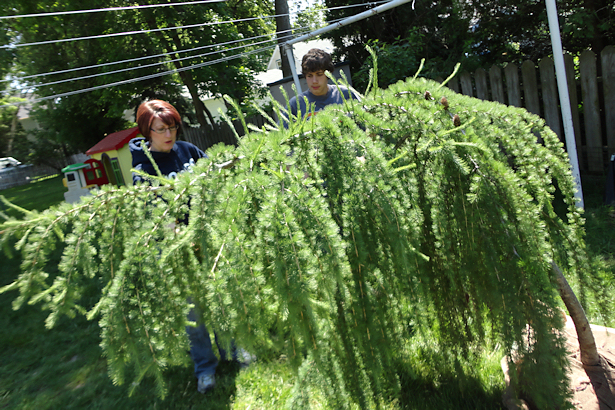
[313,65]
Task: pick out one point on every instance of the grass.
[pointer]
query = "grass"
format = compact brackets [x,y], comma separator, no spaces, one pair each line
[38,195]
[63,368]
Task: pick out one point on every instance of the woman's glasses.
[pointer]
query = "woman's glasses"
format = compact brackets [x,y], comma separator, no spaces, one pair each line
[164,130]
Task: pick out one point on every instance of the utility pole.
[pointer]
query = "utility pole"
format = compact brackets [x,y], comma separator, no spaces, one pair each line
[282,22]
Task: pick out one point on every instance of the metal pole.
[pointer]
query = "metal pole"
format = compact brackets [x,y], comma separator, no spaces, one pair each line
[564,98]
[342,23]
[288,50]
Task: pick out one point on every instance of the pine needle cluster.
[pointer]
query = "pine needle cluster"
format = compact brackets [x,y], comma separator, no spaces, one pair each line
[324,239]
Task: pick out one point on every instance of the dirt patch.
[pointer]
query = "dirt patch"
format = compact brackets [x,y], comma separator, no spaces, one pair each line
[593,387]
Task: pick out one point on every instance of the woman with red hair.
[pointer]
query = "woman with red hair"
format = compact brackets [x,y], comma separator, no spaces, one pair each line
[159,123]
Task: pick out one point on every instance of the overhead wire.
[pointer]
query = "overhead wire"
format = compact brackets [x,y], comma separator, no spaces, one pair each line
[126,33]
[129,33]
[186,3]
[147,77]
[181,51]
[146,57]
[145,6]
[299,30]
[178,69]
[162,62]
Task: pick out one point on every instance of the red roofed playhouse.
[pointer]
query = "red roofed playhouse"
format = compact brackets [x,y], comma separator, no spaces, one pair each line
[110,163]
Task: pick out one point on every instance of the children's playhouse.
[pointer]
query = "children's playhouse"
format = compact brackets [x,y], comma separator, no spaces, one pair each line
[110,163]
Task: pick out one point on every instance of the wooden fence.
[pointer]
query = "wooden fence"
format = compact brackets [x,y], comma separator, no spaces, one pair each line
[592,98]
[212,135]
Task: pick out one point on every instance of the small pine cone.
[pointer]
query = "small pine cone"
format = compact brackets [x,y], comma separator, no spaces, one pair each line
[428,95]
[456,121]
[444,102]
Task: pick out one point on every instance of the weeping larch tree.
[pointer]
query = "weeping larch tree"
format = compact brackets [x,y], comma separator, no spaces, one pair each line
[323,239]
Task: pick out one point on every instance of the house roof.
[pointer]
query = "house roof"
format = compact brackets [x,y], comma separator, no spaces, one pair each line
[114,141]
[299,49]
[300,75]
[74,167]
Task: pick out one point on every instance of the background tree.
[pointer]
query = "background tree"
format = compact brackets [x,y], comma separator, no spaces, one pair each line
[12,134]
[435,31]
[473,33]
[81,120]
[507,31]
[308,16]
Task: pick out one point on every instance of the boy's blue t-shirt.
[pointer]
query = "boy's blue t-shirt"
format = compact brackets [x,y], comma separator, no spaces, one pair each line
[333,96]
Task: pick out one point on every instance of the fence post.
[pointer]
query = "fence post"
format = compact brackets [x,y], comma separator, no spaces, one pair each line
[549,96]
[497,88]
[480,77]
[591,111]
[512,84]
[453,84]
[466,84]
[530,87]
[574,108]
[608,87]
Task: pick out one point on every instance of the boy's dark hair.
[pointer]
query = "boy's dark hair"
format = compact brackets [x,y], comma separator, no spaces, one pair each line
[316,60]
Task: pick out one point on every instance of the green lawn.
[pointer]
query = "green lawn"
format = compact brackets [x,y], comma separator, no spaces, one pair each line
[62,368]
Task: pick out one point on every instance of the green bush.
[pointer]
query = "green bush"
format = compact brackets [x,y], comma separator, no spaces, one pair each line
[415,212]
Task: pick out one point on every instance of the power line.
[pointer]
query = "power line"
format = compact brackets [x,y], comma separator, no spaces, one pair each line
[152,64]
[143,58]
[175,70]
[62,13]
[148,77]
[151,76]
[126,33]
[300,29]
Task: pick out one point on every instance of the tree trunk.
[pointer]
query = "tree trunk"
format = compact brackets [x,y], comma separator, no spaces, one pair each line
[282,23]
[188,81]
[12,132]
[185,76]
[587,344]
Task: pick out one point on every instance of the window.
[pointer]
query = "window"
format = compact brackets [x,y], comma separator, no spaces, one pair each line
[117,172]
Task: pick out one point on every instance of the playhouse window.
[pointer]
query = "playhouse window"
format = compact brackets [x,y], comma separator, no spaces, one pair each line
[93,174]
[70,177]
[117,172]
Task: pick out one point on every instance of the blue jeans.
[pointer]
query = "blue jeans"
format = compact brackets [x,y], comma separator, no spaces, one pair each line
[201,349]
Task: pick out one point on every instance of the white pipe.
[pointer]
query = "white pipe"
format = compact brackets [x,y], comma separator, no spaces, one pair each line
[341,23]
[564,98]
[288,50]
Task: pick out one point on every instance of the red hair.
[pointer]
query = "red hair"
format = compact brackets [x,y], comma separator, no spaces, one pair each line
[150,110]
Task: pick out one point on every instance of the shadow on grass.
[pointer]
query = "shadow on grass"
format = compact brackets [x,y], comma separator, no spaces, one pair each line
[431,378]
[450,392]
[63,367]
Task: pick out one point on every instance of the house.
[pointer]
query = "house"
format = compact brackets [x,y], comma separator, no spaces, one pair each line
[110,162]
[74,180]
[114,154]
